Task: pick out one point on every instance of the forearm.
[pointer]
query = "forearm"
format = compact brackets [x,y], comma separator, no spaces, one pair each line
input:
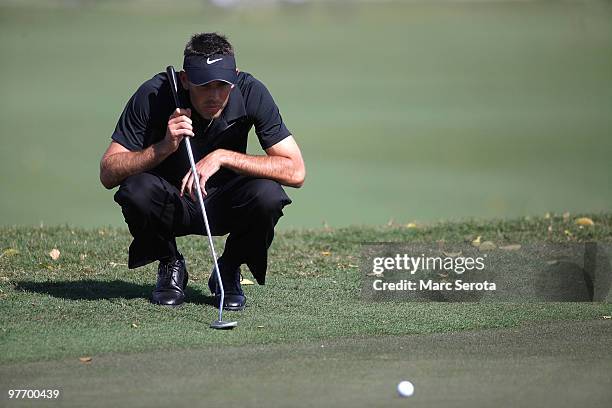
[118,166]
[279,168]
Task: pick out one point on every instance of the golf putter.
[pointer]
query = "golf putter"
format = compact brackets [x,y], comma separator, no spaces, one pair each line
[217,324]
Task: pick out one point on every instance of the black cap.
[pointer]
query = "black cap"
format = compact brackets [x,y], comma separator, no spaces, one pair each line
[202,70]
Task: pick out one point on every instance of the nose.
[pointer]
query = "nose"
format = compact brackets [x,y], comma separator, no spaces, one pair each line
[215,95]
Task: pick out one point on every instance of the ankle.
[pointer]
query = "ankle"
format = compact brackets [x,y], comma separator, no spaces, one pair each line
[171,258]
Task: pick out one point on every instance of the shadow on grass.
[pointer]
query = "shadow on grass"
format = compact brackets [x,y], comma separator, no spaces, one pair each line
[100,290]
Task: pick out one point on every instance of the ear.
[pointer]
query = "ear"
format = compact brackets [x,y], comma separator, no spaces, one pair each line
[184,80]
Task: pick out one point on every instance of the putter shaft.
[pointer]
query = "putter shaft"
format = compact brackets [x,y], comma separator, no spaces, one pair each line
[196,178]
[171,73]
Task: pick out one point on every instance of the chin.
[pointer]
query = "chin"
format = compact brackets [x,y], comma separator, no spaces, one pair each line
[205,115]
[209,116]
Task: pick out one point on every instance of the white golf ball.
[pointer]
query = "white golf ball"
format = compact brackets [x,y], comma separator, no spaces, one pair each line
[405,389]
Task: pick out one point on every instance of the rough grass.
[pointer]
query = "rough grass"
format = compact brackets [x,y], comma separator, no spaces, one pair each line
[87,302]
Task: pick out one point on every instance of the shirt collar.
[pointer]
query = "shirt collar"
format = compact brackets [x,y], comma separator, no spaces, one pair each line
[234,110]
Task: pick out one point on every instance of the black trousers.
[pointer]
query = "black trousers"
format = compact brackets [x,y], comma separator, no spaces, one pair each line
[246,208]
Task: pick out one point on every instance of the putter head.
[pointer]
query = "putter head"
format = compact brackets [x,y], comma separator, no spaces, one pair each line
[223,325]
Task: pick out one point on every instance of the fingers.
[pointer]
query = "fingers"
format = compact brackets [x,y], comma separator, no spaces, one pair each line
[203,186]
[184,182]
[180,131]
[191,188]
[188,184]
[180,123]
[181,112]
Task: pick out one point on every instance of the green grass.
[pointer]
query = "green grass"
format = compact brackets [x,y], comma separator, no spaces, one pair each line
[503,106]
[88,303]
[556,364]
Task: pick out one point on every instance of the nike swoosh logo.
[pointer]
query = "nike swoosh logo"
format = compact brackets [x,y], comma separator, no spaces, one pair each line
[209,61]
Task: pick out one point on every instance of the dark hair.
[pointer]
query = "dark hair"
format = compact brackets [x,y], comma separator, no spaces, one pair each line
[208,44]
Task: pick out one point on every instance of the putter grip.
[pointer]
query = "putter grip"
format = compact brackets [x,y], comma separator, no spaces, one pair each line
[171,73]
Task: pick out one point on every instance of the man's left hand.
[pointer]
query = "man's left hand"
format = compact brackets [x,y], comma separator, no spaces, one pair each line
[206,167]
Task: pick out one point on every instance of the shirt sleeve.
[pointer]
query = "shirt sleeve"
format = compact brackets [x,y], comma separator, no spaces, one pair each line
[132,125]
[268,122]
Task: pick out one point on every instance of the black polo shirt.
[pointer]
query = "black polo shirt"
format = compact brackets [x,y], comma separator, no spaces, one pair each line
[145,118]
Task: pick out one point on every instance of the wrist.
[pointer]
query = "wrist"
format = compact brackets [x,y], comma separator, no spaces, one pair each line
[222,157]
[163,148]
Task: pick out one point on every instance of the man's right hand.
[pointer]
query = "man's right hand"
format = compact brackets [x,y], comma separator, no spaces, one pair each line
[179,126]
[118,162]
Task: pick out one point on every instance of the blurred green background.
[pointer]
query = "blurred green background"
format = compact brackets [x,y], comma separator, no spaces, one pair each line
[404,110]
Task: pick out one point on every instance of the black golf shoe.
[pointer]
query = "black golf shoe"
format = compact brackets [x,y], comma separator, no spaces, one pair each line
[234,298]
[172,280]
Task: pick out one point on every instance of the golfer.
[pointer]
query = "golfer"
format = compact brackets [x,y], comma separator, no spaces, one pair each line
[148,160]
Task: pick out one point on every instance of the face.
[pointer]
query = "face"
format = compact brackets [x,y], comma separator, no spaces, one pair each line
[208,100]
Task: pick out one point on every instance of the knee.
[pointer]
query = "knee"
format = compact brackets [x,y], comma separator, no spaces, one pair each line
[269,197]
[136,191]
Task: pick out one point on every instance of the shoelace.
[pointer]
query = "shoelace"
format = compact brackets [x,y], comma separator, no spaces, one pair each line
[168,270]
